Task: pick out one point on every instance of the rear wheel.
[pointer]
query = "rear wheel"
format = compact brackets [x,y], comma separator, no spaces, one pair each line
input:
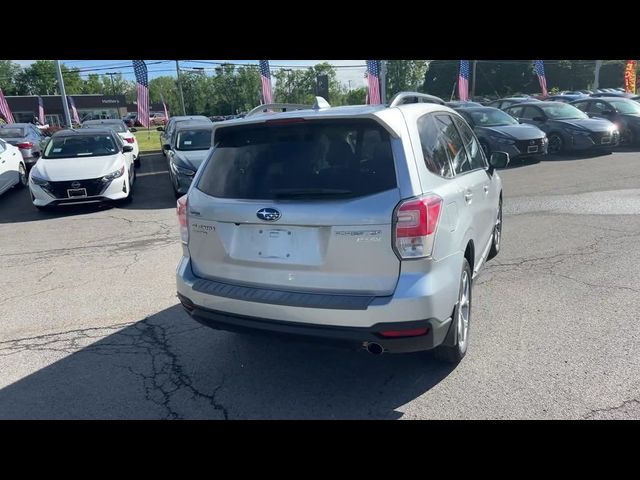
[497,233]
[455,346]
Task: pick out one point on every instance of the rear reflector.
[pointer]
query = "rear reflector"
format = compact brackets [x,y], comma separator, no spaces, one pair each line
[182,218]
[25,145]
[416,332]
[416,222]
[131,140]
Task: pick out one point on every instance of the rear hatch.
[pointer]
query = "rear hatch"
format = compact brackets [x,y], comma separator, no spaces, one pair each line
[302,206]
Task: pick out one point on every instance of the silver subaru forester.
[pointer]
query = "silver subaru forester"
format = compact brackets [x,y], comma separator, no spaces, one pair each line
[360,225]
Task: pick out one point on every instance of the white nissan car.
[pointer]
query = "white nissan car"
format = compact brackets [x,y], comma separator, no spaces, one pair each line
[122,130]
[83,166]
[13,171]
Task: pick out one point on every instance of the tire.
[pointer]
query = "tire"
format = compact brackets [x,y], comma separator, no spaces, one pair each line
[628,138]
[23,180]
[455,345]
[556,144]
[497,234]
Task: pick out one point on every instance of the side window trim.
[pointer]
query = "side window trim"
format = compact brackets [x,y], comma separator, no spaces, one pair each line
[486,164]
[432,116]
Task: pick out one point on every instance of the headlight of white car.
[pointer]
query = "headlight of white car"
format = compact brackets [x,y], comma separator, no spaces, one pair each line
[40,181]
[112,176]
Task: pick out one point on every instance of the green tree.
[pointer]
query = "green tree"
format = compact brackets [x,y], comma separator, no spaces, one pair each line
[405,75]
[165,87]
[93,85]
[39,78]
[355,97]
[73,83]
[9,72]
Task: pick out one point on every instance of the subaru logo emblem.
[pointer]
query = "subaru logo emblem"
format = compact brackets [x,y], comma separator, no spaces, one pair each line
[268,214]
[76,184]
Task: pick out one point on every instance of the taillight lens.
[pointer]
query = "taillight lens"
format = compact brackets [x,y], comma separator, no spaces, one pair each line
[182,218]
[25,145]
[415,332]
[131,140]
[416,222]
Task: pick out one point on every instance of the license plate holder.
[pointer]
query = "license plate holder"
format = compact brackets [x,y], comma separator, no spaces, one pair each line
[277,243]
[532,149]
[605,140]
[77,192]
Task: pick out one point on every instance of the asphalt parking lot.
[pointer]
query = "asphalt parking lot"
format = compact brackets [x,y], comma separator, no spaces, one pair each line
[91,327]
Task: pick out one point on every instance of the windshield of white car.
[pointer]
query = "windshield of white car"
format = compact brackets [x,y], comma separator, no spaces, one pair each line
[116,126]
[77,146]
[194,140]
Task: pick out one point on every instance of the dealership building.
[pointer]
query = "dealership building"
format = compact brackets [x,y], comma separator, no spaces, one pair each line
[90,107]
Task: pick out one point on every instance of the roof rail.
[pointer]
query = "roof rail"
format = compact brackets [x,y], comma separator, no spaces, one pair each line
[318,104]
[402,98]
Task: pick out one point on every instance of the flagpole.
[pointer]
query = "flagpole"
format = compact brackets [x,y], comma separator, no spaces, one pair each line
[383,82]
[453,90]
[473,81]
[63,95]
[184,112]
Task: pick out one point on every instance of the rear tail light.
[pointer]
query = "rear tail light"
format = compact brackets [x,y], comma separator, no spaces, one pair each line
[25,145]
[182,206]
[415,332]
[416,222]
[131,140]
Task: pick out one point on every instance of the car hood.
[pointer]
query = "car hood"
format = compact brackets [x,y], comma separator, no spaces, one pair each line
[516,132]
[190,159]
[64,169]
[591,124]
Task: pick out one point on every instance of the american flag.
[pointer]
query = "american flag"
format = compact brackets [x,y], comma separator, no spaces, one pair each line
[541,77]
[373,79]
[4,109]
[463,81]
[74,110]
[265,76]
[142,88]
[166,112]
[40,111]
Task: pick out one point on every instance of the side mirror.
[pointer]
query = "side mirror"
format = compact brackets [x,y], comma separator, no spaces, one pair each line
[539,119]
[160,129]
[166,147]
[127,148]
[133,129]
[498,160]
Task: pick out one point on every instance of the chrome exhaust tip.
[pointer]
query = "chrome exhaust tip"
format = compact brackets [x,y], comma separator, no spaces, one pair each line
[374,348]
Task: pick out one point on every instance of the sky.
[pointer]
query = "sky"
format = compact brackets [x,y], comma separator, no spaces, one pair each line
[349,72]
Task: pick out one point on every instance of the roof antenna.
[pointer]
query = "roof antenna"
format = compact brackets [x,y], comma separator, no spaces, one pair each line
[320,103]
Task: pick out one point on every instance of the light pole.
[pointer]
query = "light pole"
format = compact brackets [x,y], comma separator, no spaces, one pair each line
[113,85]
[383,82]
[184,112]
[63,95]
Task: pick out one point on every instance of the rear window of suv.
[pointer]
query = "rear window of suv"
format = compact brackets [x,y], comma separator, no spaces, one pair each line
[305,160]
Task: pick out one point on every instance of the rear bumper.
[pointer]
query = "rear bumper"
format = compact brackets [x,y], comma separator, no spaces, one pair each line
[425,302]
[346,337]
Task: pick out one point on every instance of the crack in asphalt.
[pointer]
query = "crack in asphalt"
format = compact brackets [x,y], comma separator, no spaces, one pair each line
[596,411]
[166,376]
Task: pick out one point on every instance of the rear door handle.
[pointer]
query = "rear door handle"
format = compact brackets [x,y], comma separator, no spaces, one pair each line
[486,189]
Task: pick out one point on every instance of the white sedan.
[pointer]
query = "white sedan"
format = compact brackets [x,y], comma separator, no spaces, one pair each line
[121,129]
[12,169]
[83,166]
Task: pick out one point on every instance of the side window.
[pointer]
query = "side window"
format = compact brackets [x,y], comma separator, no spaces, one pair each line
[474,150]
[434,145]
[454,144]
[530,112]
[515,112]
[599,107]
[584,106]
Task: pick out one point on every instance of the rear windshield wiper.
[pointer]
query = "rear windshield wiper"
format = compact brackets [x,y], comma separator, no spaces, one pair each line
[310,192]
